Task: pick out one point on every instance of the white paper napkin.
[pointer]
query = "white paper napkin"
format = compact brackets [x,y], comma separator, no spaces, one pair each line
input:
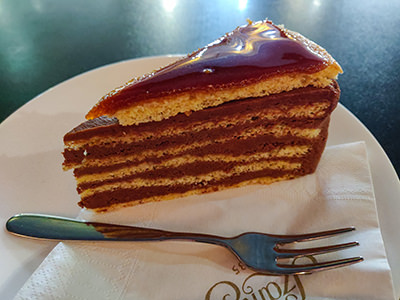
[339,194]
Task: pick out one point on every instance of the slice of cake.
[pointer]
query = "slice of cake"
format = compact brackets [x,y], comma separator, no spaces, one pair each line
[253,107]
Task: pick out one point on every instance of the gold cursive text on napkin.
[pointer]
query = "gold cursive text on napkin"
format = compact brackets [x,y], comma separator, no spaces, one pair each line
[290,289]
[259,286]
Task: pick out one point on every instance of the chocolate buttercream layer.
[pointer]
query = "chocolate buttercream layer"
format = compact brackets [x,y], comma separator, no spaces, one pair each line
[189,169]
[104,126]
[139,195]
[234,111]
[201,166]
[117,164]
[264,133]
[231,148]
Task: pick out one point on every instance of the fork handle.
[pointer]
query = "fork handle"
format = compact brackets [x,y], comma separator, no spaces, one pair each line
[47,227]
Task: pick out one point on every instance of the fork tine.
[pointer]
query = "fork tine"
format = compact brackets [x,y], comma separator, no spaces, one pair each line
[311,268]
[292,253]
[283,239]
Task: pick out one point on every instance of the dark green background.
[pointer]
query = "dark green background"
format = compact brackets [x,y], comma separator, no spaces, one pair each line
[44,42]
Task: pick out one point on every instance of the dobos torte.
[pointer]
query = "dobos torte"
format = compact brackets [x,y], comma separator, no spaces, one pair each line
[252,107]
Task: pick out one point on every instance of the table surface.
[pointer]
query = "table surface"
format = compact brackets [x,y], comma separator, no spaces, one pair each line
[45,42]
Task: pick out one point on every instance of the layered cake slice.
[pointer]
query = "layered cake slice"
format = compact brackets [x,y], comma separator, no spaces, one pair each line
[253,107]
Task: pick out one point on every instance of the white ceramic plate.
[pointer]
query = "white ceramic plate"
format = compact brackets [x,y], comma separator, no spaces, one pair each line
[32,180]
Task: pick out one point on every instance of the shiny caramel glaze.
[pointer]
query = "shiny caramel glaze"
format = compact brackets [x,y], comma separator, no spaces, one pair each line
[250,53]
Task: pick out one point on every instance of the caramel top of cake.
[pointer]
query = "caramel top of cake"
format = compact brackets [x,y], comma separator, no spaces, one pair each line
[254,60]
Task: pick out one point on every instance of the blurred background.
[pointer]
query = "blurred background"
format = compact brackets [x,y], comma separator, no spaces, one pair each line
[44,42]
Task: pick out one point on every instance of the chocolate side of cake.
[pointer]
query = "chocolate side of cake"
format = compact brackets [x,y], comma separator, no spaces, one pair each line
[253,140]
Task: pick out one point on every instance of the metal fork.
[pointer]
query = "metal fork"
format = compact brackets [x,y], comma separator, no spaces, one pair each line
[259,251]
